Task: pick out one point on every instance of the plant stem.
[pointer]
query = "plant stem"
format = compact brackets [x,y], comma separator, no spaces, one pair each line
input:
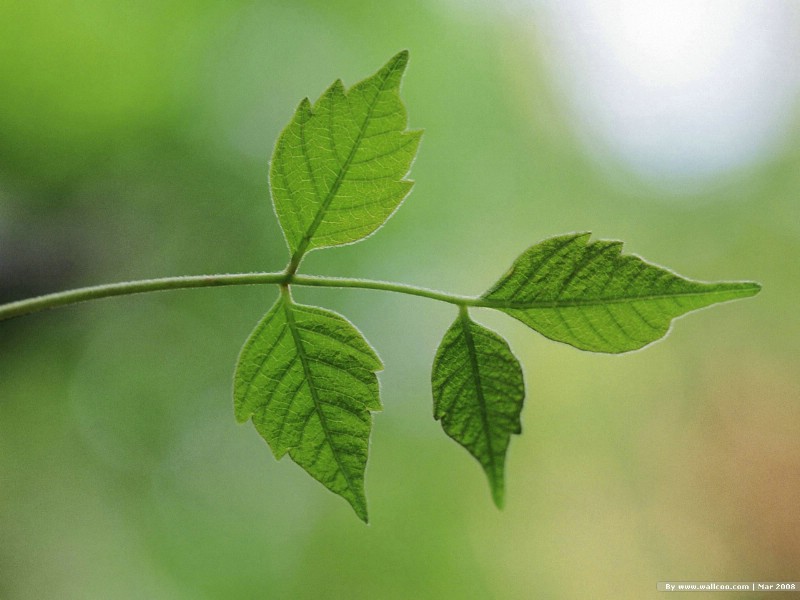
[385,286]
[32,305]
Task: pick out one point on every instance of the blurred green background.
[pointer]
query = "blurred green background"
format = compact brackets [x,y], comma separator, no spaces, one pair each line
[134,143]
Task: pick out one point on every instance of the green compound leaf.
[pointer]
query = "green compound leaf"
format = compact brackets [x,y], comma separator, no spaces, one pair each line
[478,392]
[592,297]
[338,167]
[306,378]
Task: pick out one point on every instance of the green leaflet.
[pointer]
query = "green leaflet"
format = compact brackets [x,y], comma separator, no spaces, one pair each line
[589,295]
[338,167]
[306,378]
[478,392]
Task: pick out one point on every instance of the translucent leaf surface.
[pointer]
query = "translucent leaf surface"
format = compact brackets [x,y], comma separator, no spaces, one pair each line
[478,392]
[306,378]
[591,296]
[338,167]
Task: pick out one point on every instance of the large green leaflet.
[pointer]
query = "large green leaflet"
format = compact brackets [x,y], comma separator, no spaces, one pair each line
[477,394]
[589,295]
[338,167]
[306,377]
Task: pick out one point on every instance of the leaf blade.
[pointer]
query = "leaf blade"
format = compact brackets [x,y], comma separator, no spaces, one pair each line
[338,169]
[306,378]
[589,295]
[478,392]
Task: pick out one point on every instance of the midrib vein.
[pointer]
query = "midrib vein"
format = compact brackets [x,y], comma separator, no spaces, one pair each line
[488,302]
[473,359]
[301,351]
[301,248]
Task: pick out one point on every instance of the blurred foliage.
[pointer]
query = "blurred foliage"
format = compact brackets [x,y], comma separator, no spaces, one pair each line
[134,140]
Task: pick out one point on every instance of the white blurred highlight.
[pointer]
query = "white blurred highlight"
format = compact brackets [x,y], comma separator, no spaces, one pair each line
[680,91]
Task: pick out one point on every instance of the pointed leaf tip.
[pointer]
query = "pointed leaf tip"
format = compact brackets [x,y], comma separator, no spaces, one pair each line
[750,288]
[498,496]
[399,60]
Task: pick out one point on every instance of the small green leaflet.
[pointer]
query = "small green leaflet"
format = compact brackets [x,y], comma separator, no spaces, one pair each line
[478,392]
[589,295]
[338,167]
[306,378]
